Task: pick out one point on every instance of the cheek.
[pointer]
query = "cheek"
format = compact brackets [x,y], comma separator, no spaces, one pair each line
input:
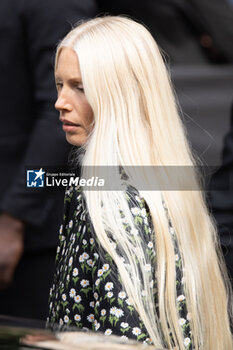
[87,114]
[83,110]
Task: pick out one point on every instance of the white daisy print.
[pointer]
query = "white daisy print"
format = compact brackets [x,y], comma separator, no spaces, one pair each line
[100,273]
[108,331]
[90,262]
[72,293]
[81,259]
[150,245]
[71,261]
[136,331]
[122,295]
[66,319]
[85,256]
[92,304]
[63,297]
[77,299]
[84,242]
[91,318]
[119,313]
[182,321]
[109,294]
[187,341]
[84,283]
[103,312]
[124,324]
[143,212]
[75,272]
[77,317]
[108,286]
[97,325]
[96,255]
[71,224]
[145,221]
[148,341]
[97,282]
[113,310]
[92,241]
[105,267]
[96,296]
[135,211]
[181,298]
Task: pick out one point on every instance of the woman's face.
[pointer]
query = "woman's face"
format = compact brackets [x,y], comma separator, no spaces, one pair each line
[76,114]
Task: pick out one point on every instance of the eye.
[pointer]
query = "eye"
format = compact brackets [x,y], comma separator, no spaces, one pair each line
[59,85]
[79,88]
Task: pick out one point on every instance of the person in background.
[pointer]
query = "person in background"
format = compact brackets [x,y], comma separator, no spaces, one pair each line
[30,136]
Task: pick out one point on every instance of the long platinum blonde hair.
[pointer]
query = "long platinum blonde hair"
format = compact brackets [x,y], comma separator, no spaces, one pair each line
[136,123]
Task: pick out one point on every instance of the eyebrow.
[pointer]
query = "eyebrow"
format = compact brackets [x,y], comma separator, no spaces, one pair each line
[72,80]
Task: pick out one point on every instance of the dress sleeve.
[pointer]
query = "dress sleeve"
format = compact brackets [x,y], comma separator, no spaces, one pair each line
[71,300]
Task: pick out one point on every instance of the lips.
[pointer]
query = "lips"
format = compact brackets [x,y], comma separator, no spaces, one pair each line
[68,122]
[68,126]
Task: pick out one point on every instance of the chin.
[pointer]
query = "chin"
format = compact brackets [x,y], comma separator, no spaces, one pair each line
[75,140]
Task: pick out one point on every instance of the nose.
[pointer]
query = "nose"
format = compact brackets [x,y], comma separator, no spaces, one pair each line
[62,103]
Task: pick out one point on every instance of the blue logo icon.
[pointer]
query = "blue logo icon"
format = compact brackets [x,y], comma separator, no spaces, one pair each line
[35,178]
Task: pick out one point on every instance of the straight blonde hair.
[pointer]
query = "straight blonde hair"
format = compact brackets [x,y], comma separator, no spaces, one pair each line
[136,123]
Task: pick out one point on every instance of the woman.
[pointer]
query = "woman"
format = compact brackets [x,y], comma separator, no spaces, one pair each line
[141,264]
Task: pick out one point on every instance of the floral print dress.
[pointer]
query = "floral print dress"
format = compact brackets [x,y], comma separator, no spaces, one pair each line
[85,292]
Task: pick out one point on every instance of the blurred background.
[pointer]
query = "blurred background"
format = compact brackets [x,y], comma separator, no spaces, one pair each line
[196,39]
